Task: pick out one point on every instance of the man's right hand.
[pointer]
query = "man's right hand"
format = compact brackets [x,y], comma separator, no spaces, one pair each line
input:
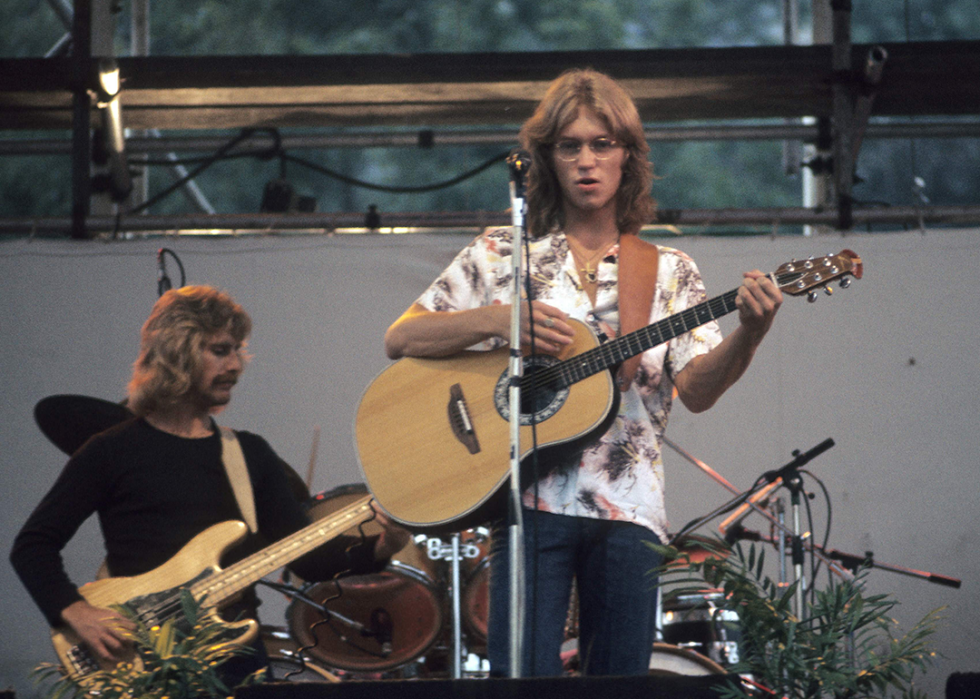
[104,631]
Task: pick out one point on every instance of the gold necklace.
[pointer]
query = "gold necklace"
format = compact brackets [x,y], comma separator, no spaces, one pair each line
[591,274]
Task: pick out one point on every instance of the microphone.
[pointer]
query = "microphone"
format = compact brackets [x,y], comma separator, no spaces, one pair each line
[163,281]
[381,629]
[518,162]
[799,461]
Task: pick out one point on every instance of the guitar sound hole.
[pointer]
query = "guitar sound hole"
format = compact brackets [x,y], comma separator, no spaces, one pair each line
[540,399]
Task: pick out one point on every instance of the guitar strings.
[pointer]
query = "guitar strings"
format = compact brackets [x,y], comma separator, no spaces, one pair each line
[564,373]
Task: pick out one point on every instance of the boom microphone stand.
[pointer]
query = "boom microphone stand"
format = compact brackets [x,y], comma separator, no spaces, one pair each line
[786,472]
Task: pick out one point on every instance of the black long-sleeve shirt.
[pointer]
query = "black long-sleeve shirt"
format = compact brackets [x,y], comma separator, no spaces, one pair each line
[153,492]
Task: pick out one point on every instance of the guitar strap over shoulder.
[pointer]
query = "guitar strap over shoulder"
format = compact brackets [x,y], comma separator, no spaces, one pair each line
[234,461]
[638,265]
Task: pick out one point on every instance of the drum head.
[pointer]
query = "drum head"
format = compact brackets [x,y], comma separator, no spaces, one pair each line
[375,622]
[379,622]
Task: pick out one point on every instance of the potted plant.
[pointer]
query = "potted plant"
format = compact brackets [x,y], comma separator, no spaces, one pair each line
[844,645]
[180,659]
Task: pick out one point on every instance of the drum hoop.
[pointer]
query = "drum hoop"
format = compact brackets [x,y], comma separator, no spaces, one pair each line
[688,658]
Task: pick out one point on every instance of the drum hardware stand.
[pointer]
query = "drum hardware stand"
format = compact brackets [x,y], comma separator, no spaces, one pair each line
[781,514]
[454,553]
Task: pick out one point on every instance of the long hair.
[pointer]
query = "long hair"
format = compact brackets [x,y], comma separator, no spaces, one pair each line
[560,106]
[172,339]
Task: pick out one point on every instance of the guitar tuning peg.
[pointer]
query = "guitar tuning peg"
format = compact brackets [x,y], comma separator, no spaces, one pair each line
[827,290]
[811,297]
[845,282]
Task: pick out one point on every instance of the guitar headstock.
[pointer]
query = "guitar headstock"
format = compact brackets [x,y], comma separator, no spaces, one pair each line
[807,276]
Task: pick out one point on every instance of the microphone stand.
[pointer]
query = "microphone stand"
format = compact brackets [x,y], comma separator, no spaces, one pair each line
[518,163]
[786,472]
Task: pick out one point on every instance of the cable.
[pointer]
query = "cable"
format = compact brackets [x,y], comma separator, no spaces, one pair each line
[163,281]
[396,190]
[206,163]
[830,514]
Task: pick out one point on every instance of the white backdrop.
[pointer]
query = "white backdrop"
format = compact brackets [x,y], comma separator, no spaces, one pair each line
[889,369]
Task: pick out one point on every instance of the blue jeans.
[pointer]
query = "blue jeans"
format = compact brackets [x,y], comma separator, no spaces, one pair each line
[617,597]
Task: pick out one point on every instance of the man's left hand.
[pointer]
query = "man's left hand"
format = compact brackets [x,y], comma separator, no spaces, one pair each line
[758,300]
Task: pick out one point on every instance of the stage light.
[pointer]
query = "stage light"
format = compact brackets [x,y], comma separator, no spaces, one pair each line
[109,148]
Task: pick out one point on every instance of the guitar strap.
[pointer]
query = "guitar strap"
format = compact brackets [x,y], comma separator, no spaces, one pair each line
[638,265]
[234,462]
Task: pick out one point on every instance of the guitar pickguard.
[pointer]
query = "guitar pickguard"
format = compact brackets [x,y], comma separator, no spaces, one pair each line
[537,406]
[155,608]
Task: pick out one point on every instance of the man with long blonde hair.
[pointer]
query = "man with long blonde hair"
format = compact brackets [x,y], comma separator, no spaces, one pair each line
[591,513]
[158,480]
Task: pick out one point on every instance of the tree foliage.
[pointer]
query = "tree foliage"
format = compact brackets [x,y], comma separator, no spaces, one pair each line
[712,174]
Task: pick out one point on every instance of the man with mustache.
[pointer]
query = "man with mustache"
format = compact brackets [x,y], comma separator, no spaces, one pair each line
[159,479]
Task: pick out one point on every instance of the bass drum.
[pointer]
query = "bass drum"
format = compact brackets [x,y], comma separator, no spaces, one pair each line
[671,660]
[373,623]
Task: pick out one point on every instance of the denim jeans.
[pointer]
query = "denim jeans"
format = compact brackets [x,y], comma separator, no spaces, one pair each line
[617,597]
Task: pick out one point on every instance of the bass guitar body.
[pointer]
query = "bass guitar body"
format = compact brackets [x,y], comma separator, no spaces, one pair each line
[433,435]
[153,595]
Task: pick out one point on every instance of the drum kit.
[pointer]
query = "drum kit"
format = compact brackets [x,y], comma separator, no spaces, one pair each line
[412,599]
[402,622]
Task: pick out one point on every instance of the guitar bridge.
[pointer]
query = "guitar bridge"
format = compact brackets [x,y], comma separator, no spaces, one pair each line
[81,660]
[459,419]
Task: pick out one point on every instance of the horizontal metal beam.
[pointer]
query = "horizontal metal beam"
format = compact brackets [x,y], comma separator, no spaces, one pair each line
[355,222]
[261,142]
[427,90]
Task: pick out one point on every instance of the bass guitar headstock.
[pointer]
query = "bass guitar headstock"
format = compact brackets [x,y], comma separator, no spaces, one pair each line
[809,276]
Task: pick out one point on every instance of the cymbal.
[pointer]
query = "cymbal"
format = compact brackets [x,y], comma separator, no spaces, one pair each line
[69,420]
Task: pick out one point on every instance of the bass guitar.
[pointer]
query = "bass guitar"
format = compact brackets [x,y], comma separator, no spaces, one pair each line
[433,435]
[155,596]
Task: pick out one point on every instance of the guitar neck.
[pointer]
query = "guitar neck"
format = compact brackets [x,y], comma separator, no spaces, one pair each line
[614,352]
[227,583]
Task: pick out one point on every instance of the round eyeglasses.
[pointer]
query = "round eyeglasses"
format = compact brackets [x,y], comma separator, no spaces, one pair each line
[569,149]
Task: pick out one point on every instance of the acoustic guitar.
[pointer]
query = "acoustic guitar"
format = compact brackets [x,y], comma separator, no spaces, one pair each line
[433,435]
[155,596]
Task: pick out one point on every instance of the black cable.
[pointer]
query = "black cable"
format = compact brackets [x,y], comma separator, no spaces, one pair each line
[205,164]
[535,468]
[830,515]
[813,555]
[163,281]
[396,190]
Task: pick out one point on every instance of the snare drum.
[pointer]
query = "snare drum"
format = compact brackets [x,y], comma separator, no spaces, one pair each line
[701,623]
[402,602]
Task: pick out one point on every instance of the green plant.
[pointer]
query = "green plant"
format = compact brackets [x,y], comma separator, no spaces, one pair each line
[844,646]
[180,659]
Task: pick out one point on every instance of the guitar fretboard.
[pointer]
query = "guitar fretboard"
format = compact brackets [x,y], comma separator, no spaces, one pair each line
[235,578]
[616,351]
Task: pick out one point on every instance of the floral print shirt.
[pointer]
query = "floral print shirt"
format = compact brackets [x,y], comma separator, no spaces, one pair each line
[620,475]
